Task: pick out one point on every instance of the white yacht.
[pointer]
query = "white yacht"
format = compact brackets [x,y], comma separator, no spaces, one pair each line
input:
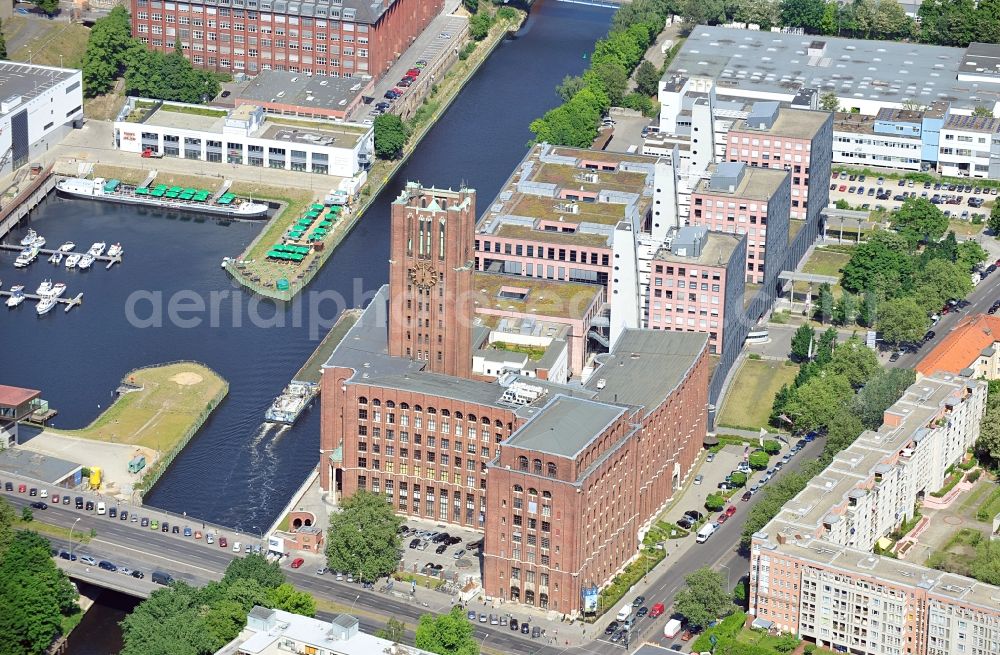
[97,249]
[72,260]
[85,261]
[57,290]
[44,288]
[29,238]
[67,247]
[26,256]
[39,242]
[16,296]
[56,258]
[45,305]
[115,250]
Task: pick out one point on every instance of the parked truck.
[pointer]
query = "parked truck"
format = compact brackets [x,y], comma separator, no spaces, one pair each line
[671,629]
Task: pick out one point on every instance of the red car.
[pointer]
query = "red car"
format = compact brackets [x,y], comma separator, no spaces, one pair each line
[656,610]
[686,636]
[730,510]
[722,518]
[843,187]
[297,562]
[413,72]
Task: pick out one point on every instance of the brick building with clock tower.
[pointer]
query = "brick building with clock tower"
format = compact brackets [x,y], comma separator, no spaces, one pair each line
[430,278]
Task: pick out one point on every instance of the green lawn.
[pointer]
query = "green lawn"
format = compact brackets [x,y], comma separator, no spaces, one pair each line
[55,44]
[958,554]
[748,402]
[990,507]
[965,229]
[826,262]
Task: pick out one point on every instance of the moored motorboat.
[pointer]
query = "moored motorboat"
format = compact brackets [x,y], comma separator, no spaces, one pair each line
[45,305]
[56,258]
[44,288]
[72,260]
[57,290]
[16,296]
[26,256]
[85,261]
[97,249]
[39,242]
[29,238]
[115,250]
[67,247]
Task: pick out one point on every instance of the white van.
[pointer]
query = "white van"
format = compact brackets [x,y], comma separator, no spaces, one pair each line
[706,531]
[101,509]
[624,612]
[237,547]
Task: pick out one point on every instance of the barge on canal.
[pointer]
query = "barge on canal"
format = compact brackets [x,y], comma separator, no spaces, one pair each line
[162,196]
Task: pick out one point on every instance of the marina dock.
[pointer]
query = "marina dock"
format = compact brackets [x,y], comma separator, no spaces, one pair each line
[69,303]
[117,259]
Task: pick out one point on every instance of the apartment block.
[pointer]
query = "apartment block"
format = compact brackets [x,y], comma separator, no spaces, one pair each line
[971,349]
[697,285]
[742,199]
[555,217]
[336,38]
[812,568]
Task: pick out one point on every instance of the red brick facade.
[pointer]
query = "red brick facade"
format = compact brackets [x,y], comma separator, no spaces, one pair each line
[250,35]
[581,519]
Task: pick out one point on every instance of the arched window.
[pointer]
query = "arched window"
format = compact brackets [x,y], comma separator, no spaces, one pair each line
[362,400]
[431,410]
[404,407]
[458,416]
[498,423]
[418,409]
[515,594]
[390,404]
[547,494]
[518,489]
[471,418]
[529,596]
[486,420]
[550,470]
[445,413]
[532,491]
[543,600]
[537,466]
[376,402]
[522,463]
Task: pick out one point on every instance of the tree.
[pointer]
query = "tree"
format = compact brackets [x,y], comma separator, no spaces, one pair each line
[817,401]
[394,630]
[109,47]
[714,502]
[993,222]
[3,44]
[611,77]
[986,564]
[286,597]
[254,567]
[829,101]
[741,592]
[879,393]
[48,7]
[902,321]
[758,460]
[982,111]
[7,518]
[479,26]
[919,220]
[802,342]
[824,303]
[988,443]
[471,5]
[969,255]
[777,492]
[640,103]
[824,349]
[807,14]
[647,78]
[363,537]
[854,361]
[26,514]
[704,599]
[845,309]
[940,281]
[391,135]
[772,446]
[169,622]
[842,430]
[882,264]
[569,87]
[738,479]
[829,24]
[446,634]
[35,595]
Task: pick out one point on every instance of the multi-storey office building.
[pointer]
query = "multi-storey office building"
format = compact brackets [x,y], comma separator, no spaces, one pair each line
[336,38]
[522,458]
[785,138]
[812,568]
[742,199]
[970,146]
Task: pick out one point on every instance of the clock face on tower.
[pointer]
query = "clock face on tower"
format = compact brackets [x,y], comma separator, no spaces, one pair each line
[423,275]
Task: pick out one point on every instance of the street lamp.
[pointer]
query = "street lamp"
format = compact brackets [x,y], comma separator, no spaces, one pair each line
[71,537]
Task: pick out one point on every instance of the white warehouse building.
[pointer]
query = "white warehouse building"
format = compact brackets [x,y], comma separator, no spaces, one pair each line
[244,136]
[38,106]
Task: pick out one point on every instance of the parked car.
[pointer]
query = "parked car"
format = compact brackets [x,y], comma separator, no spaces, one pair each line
[222,542]
[441,548]
[698,479]
[139,575]
[414,543]
[297,562]
[458,554]
[611,628]
[638,601]
[39,505]
[67,556]
[107,566]
[145,522]
[747,495]
[513,623]
[88,560]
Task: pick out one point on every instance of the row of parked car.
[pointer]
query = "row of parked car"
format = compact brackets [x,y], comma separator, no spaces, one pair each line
[408,79]
[422,539]
[629,615]
[159,577]
[496,619]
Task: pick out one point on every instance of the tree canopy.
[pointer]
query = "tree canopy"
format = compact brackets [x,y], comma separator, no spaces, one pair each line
[918,220]
[391,134]
[363,537]
[902,320]
[704,599]
[446,634]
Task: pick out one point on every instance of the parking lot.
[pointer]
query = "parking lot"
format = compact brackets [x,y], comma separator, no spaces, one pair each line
[429,538]
[868,192]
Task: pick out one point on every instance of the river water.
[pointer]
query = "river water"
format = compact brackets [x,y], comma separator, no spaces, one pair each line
[232,472]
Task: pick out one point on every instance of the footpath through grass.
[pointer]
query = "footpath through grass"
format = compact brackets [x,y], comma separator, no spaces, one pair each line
[748,402]
[172,400]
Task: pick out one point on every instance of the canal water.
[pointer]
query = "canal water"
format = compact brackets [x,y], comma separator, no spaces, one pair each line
[233,472]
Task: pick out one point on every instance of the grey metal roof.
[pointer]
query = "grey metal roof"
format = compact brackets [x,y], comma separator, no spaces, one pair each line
[981,59]
[51,470]
[646,366]
[333,93]
[28,81]
[566,426]
[745,62]
[358,11]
